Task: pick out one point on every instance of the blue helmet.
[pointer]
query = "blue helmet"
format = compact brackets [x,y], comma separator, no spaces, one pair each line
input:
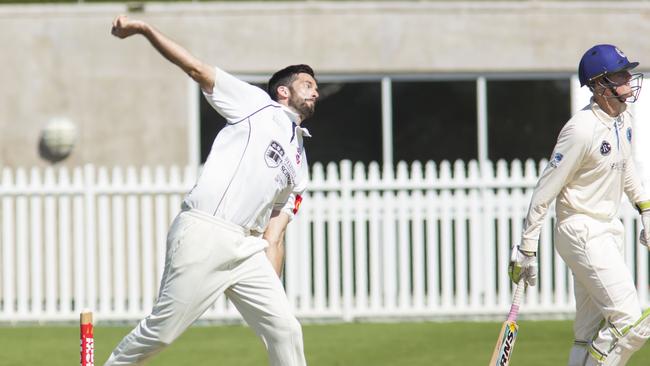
[600,60]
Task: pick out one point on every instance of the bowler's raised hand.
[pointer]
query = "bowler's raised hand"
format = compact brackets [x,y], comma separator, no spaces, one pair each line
[124,27]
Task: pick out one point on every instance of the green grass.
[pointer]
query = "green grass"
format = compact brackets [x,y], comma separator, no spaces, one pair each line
[395,344]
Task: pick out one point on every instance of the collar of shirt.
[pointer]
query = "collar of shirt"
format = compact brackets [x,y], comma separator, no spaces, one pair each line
[605,118]
[293,116]
[295,128]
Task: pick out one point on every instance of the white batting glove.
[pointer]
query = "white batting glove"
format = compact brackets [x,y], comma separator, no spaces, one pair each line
[523,264]
[644,237]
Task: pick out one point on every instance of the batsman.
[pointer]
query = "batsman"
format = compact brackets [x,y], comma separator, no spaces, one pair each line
[589,170]
[227,239]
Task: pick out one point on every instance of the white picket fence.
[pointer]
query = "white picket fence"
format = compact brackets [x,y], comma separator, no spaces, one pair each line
[424,241]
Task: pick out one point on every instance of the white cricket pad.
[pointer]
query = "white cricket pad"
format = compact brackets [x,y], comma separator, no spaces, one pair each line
[632,340]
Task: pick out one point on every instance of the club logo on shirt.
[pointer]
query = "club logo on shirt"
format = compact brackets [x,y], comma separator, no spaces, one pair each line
[557,158]
[619,165]
[273,154]
[605,148]
[628,133]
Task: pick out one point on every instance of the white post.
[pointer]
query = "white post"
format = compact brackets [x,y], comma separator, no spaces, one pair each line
[374,237]
[360,216]
[103,242]
[133,265]
[50,219]
[193,123]
[318,198]
[446,243]
[8,246]
[119,243]
[387,120]
[65,244]
[78,240]
[146,239]
[90,236]
[347,270]
[333,202]
[36,238]
[482,120]
[22,259]
[403,251]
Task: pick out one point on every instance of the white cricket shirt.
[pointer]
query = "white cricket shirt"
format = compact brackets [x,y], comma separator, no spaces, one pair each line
[591,166]
[257,163]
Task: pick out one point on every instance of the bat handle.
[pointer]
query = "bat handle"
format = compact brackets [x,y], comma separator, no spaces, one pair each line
[516,300]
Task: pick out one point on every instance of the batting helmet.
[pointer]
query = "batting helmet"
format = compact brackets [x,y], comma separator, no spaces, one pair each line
[602,59]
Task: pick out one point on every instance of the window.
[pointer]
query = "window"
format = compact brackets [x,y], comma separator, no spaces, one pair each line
[347,123]
[525,117]
[434,120]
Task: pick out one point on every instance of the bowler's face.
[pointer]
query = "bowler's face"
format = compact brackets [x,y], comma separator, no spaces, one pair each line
[304,93]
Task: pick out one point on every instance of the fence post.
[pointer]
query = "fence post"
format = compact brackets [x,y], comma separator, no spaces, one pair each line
[333,201]
[90,220]
[417,206]
[346,242]
[320,270]
[488,242]
[374,237]
[51,220]
[403,239]
[104,279]
[360,217]
[36,238]
[8,245]
[22,260]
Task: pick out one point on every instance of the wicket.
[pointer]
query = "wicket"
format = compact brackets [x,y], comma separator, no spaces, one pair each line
[87,339]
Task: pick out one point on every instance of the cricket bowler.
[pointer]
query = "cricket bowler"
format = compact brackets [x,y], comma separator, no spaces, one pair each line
[227,239]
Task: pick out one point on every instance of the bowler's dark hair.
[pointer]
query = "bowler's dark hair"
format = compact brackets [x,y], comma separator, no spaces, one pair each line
[285,77]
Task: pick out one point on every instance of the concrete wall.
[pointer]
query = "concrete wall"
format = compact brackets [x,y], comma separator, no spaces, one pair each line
[132,107]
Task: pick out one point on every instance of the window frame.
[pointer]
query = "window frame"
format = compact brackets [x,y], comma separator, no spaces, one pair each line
[579,97]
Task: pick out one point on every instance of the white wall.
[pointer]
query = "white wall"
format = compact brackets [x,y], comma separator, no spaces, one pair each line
[132,107]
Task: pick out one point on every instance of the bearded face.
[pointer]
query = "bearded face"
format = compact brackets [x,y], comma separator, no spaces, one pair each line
[303,93]
[304,106]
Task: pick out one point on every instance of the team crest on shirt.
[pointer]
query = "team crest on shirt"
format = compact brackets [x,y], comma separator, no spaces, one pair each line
[557,158]
[275,157]
[628,133]
[273,154]
[605,148]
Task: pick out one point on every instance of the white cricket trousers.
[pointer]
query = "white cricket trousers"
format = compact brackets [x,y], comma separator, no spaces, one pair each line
[605,293]
[205,258]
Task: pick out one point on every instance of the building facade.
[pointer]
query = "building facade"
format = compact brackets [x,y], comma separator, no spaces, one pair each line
[400,80]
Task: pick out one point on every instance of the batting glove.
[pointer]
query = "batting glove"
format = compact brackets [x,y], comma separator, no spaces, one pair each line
[644,237]
[523,264]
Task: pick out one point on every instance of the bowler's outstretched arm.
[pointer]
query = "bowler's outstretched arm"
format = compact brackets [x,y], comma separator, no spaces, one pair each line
[200,72]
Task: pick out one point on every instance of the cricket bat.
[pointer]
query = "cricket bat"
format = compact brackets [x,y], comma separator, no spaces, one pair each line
[508,335]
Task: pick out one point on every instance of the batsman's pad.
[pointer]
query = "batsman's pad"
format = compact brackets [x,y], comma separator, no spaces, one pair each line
[631,340]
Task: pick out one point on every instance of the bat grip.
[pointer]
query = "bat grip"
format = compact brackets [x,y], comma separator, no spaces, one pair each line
[516,300]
